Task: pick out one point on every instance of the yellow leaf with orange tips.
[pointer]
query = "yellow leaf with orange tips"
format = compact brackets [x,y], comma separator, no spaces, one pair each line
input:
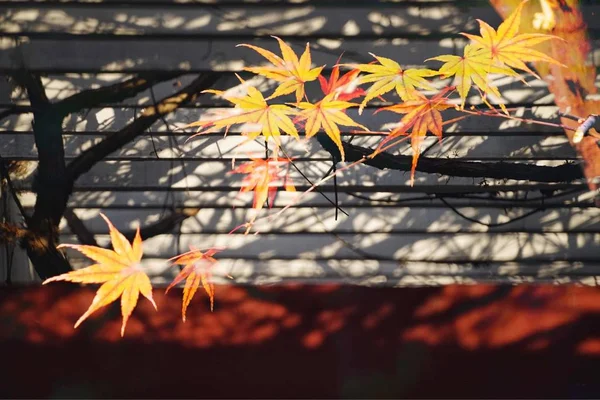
[389,75]
[291,72]
[327,114]
[421,115]
[196,271]
[118,270]
[473,67]
[252,109]
[506,47]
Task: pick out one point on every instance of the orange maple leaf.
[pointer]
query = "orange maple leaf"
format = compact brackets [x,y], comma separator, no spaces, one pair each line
[341,85]
[263,177]
[506,47]
[292,72]
[197,269]
[389,75]
[327,114]
[252,109]
[422,115]
[118,270]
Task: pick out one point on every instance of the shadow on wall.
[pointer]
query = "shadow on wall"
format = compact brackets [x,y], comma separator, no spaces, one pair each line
[149,177]
[308,341]
[223,20]
[210,32]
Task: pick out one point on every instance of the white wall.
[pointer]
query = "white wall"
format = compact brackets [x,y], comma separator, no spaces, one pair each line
[417,241]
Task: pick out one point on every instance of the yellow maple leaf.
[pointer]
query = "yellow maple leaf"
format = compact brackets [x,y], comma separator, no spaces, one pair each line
[197,270]
[389,75]
[421,115]
[291,72]
[252,109]
[118,270]
[327,114]
[507,47]
[473,67]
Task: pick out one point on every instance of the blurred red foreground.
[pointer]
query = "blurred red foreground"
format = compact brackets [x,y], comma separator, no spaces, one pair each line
[306,341]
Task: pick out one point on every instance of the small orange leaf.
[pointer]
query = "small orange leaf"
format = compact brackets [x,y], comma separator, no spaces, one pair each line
[263,177]
[421,115]
[118,270]
[196,271]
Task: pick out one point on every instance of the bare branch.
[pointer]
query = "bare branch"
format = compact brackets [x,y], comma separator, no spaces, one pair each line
[15,109]
[78,228]
[150,115]
[112,93]
[453,167]
[165,225]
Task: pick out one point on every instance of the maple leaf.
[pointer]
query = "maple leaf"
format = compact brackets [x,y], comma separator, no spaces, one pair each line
[118,270]
[265,119]
[507,47]
[472,68]
[263,177]
[292,72]
[197,270]
[389,75]
[421,115]
[327,114]
[341,85]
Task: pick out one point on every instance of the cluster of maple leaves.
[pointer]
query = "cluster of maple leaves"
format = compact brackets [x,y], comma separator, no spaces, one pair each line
[493,52]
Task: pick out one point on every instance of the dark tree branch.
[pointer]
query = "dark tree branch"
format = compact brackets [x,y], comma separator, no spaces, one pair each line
[457,168]
[164,225]
[112,93]
[78,228]
[51,182]
[10,111]
[150,115]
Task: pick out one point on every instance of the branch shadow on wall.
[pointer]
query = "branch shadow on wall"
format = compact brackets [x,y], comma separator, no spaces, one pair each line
[159,171]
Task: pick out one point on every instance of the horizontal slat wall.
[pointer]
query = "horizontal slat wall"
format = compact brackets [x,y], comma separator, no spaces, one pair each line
[444,247]
[199,38]
[445,229]
[412,220]
[387,273]
[227,20]
[151,200]
[160,145]
[60,86]
[132,54]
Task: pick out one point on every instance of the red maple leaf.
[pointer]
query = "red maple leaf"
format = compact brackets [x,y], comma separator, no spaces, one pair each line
[341,85]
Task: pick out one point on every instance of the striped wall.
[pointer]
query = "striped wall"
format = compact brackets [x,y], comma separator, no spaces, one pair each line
[444,229]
